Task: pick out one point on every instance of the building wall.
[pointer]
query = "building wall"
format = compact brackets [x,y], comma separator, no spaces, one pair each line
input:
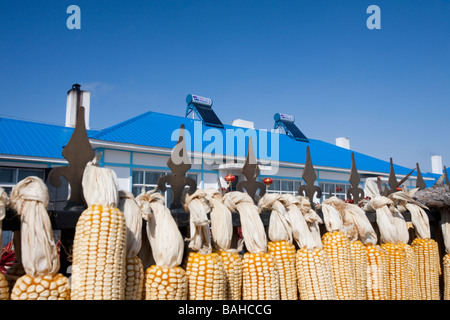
[125,162]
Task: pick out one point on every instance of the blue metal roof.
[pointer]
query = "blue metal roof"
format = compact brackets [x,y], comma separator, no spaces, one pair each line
[26,138]
[156,129]
[34,139]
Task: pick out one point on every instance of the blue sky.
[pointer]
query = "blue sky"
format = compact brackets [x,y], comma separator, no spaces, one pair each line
[387,90]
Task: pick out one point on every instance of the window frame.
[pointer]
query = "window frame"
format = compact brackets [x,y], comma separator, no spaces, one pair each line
[16,174]
[280,190]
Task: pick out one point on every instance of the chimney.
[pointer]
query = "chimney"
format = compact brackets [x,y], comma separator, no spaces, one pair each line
[77,98]
[436,164]
[343,142]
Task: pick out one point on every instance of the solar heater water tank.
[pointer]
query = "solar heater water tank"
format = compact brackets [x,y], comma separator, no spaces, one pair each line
[286,122]
[203,109]
[284,117]
[195,99]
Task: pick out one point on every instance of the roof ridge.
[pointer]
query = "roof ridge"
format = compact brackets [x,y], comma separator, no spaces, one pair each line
[33,122]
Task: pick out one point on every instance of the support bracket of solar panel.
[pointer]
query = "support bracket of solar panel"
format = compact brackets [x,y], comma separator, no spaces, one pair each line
[203,109]
[286,122]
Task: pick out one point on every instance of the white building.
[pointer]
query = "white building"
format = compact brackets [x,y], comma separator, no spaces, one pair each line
[138,149]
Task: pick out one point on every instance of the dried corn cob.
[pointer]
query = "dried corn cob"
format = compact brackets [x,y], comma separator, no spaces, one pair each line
[377,273]
[280,244]
[446,267]
[233,265]
[427,253]
[426,280]
[204,269]
[360,231]
[40,258]
[392,231]
[99,248]
[313,269]
[354,224]
[222,234]
[206,276]
[166,279]
[337,246]
[4,288]
[134,283]
[445,227]
[260,277]
[360,264]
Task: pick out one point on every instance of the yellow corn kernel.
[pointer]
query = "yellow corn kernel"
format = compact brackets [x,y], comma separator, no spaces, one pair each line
[377,273]
[412,270]
[428,263]
[284,255]
[134,283]
[4,287]
[337,246]
[314,275]
[359,259]
[41,288]
[233,267]
[162,283]
[260,277]
[398,274]
[446,267]
[99,255]
[206,277]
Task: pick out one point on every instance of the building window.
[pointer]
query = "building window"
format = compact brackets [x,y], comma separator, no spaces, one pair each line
[284,186]
[337,189]
[148,180]
[9,177]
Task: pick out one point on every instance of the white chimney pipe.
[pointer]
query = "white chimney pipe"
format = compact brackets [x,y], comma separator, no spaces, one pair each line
[343,142]
[75,99]
[436,164]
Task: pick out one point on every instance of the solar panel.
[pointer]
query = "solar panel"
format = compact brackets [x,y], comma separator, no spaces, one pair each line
[208,116]
[294,131]
[287,123]
[202,107]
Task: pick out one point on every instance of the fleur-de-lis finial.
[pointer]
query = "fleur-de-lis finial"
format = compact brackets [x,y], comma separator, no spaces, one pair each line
[420,183]
[310,176]
[355,191]
[179,163]
[78,152]
[251,172]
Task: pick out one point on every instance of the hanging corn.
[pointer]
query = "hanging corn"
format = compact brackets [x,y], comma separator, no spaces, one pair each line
[425,249]
[222,235]
[166,279]
[280,244]
[361,232]
[337,245]
[40,258]
[260,277]
[313,269]
[391,241]
[99,247]
[134,282]
[204,269]
[399,199]
[4,287]
[445,227]
[357,248]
